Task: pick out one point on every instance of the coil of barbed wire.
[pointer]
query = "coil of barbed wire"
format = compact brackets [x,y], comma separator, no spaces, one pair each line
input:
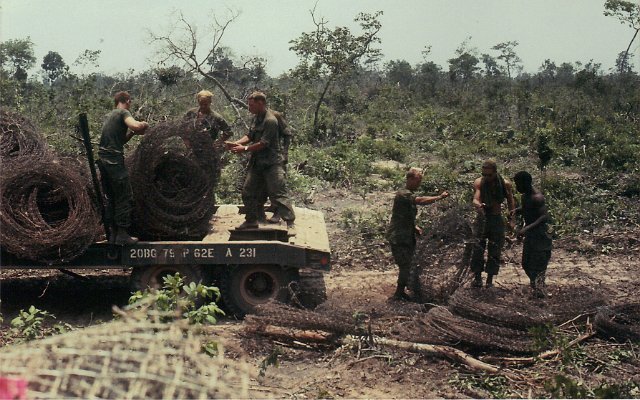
[174,172]
[46,211]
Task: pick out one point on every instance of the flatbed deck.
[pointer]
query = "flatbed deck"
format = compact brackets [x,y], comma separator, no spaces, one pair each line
[309,227]
[223,245]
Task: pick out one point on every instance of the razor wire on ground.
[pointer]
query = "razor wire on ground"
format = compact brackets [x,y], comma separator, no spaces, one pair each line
[506,308]
[442,257]
[620,322]
[476,319]
[130,358]
[174,171]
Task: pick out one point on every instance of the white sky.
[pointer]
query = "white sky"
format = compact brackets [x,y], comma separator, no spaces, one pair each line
[560,30]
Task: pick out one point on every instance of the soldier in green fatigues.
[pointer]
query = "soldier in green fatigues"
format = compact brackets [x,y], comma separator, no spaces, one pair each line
[208,119]
[536,250]
[490,191]
[119,127]
[266,169]
[402,229]
[285,135]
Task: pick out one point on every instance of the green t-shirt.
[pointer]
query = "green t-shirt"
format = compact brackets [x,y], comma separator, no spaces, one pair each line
[265,129]
[401,229]
[213,122]
[114,134]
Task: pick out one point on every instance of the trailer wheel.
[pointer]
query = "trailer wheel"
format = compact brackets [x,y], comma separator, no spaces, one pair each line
[308,289]
[246,286]
[151,276]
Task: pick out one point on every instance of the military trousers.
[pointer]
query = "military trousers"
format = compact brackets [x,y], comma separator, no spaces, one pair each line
[489,235]
[403,257]
[117,188]
[536,252]
[270,179]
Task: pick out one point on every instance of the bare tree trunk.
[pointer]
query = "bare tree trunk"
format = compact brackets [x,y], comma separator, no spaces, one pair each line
[626,53]
[320,100]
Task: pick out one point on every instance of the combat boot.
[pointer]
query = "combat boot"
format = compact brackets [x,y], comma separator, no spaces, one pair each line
[291,228]
[400,295]
[539,290]
[477,280]
[489,281]
[247,225]
[275,219]
[122,238]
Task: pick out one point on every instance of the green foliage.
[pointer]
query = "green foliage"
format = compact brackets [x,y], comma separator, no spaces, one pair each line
[270,360]
[544,151]
[329,55]
[16,58]
[497,386]
[543,336]
[563,386]
[177,299]
[386,149]
[53,65]
[369,225]
[29,325]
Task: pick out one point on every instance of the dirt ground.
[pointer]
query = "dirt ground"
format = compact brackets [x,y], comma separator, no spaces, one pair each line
[364,277]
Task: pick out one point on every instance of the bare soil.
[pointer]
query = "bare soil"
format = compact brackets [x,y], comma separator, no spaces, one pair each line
[364,276]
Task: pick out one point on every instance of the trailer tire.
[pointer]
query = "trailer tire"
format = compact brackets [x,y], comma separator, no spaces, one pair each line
[150,277]
[246,286]
[308,289]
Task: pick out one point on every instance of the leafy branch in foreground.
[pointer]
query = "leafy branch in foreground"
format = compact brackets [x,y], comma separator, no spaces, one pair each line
[195,301]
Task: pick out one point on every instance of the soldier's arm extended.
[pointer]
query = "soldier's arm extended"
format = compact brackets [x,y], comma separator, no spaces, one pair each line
[422,200]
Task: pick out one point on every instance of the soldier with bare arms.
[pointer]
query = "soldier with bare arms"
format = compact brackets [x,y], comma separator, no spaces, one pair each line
[490,191]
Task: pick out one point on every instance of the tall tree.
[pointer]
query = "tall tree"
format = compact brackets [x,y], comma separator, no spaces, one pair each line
[329,54]
[399,72]
[53,65]
[628,13]
[16,57]
[464,66]
[512,63]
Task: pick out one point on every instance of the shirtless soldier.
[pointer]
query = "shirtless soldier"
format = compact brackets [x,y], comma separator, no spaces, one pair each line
[536,250]
[490,191]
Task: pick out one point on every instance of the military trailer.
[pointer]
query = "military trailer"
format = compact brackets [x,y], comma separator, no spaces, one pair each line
[250,267]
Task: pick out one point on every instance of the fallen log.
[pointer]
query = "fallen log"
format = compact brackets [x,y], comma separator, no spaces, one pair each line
[292,333]
[521,361]
[447,352]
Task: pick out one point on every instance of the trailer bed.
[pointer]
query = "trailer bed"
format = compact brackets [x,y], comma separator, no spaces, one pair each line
[223,245]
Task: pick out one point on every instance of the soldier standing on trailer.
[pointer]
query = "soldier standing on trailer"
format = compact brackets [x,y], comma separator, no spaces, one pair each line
[209,120]
[118,128]
[266,169]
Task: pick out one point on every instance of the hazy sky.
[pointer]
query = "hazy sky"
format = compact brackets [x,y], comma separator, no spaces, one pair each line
[560,30]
